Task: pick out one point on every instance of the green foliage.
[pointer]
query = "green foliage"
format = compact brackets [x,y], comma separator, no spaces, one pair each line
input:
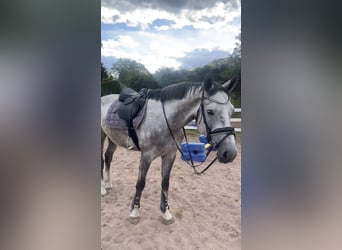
[108,84]
[134,75]
[104,73]
[110,87]
[166,76]
[143,81]
[237,49]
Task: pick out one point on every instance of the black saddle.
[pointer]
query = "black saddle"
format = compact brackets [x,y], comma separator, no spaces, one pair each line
[132,103]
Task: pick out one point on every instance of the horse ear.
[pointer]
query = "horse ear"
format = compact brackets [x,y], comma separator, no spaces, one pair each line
[230,84]
[208,82]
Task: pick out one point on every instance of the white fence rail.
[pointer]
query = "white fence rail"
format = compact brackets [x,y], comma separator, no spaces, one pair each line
[192,125]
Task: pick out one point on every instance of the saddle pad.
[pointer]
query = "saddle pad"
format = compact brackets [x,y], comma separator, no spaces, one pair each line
[114,121]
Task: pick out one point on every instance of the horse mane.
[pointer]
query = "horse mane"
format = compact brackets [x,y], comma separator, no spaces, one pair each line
[180,90]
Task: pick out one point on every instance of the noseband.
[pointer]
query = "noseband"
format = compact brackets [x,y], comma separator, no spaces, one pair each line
[214,145]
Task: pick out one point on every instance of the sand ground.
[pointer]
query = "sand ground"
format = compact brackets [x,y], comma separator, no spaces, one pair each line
[207,208]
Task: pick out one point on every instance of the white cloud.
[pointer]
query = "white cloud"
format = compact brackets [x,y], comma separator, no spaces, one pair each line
[164,45]
[215,17]
[207,18]
[120,47]
[136,18]
[152,50]
[155,50]
[162,28]
[107,15]
[128,41]
[153,63]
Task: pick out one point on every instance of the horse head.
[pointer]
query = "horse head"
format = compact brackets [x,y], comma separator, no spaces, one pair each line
[214,115]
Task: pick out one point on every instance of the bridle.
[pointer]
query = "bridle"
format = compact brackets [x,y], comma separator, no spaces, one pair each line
[224,130]
[214,145]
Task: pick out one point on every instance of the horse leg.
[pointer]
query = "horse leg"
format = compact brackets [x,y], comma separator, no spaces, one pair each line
[108,159]
[145,163]
[103,189]
[167,163]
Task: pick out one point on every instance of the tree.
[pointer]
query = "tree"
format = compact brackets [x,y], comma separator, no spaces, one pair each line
[134,75]
[143,81]
[104,73]
[236,69]
[237,49]
[166,76]
[108,84]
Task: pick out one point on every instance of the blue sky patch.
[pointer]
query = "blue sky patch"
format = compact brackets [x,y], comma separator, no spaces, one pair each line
[161,22]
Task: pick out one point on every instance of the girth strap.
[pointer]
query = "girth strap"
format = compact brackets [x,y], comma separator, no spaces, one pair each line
[133,134]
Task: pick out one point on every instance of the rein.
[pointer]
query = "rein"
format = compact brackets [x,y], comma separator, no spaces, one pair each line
[227,130]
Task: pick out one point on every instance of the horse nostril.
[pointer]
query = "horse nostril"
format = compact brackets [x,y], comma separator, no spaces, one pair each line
[228,156]
[225,157]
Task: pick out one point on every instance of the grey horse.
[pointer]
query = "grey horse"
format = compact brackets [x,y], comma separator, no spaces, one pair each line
[168,111]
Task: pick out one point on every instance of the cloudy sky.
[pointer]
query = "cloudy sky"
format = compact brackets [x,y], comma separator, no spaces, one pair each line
[172,33]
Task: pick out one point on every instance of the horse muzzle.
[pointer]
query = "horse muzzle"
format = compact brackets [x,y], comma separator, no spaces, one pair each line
[226,148]
[226,155]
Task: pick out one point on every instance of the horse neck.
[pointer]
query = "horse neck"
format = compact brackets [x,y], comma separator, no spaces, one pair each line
[180,112]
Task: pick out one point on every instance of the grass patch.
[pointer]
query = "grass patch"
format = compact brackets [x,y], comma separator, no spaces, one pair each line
[192,132]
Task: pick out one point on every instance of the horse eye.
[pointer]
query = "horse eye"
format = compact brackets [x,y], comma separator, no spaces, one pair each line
[210,111]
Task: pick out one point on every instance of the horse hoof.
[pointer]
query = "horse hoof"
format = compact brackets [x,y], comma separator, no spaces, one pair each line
[166,222]
[103,192]
[103,189]
[134,220]
[108,185]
